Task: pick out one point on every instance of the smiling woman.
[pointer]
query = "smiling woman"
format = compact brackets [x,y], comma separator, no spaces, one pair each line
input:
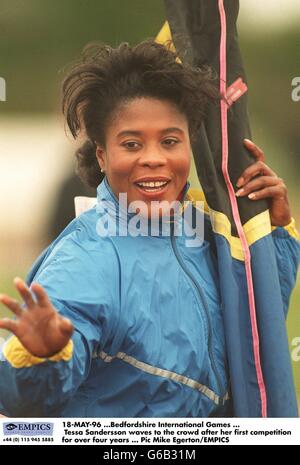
[139,108]
[110,86]
[131,325]
[150,160]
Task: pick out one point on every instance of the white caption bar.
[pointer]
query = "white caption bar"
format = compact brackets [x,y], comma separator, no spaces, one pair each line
[164,431]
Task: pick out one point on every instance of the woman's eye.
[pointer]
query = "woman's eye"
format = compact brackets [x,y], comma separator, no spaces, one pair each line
[131,145]
[170,142]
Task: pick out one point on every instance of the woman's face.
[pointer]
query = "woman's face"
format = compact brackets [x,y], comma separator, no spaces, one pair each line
[147,153]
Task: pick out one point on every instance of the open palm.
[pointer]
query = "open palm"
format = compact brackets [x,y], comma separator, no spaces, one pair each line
[39,327]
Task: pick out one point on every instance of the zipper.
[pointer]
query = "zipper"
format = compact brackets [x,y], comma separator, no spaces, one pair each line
[205,306]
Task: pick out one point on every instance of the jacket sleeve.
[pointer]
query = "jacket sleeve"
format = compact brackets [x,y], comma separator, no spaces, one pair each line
[287,247]
[30,386]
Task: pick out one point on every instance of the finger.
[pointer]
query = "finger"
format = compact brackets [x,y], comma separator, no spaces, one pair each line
[24,291]
[12,304]
[254,149]
[256,169]
[267,192]
[258,183]
[10,325]
[40,294]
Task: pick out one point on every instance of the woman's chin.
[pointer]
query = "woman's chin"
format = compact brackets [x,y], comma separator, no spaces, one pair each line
[156,210]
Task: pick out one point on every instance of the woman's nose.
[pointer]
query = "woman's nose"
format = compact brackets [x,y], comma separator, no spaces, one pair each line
[152,158]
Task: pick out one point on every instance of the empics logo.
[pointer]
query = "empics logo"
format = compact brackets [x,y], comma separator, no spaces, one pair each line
[28,429]
[11,426]
[2,90]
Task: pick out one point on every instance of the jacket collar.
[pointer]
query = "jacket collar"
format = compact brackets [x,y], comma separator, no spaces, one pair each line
[104,192]
[108,203]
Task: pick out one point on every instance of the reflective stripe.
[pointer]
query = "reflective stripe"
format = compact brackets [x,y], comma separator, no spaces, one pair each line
[165,374]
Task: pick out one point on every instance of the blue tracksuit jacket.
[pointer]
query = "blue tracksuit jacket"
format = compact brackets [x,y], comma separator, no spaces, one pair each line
[149,338]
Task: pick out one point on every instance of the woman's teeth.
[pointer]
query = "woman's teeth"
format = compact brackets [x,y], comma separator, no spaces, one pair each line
[151,186]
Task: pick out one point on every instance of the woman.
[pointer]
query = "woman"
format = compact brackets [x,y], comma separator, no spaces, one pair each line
[127,325]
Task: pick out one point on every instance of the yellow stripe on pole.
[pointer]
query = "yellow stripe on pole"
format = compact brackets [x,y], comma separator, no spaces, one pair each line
[164,37]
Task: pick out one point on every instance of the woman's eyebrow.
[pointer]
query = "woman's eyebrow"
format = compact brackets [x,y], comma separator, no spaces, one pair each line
[165,131]
[129,133]
[139,133]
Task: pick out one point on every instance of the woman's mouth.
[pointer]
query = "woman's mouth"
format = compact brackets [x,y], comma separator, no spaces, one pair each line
[153,187]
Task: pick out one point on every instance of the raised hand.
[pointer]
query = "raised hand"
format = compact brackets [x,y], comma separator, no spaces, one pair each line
[39,327]
[258,181]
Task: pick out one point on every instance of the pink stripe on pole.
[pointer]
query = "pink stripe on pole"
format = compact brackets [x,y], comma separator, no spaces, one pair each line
[235,211]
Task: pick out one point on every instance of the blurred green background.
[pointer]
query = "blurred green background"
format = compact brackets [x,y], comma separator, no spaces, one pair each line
[38,39]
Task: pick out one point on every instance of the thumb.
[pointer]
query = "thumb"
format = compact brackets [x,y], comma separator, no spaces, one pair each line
[254,150]
[66,327]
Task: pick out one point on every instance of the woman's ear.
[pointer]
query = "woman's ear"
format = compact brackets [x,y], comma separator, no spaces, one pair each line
[101,157]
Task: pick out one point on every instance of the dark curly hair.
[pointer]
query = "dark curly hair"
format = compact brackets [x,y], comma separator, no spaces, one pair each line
[107,77]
